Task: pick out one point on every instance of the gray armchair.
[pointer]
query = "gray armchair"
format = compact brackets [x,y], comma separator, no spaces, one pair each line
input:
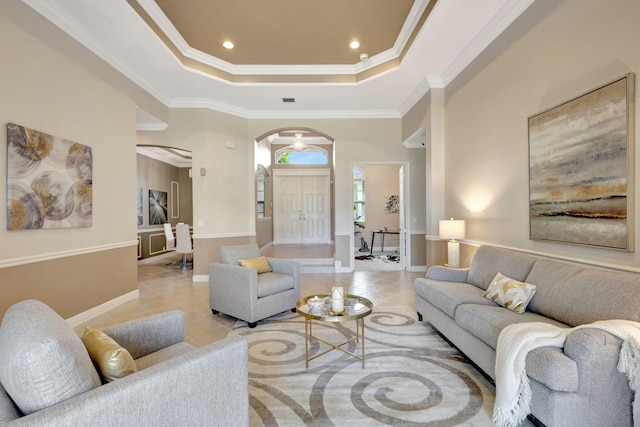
[48,379]
[246,295]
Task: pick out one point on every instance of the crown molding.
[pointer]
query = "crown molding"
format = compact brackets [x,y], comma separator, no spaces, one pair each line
[151,126]
[282,114]
[60,18]
[485,37]
[415,95]
[174,36]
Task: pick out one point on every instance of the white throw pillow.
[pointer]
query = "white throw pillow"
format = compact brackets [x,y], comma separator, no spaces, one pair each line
[510,293]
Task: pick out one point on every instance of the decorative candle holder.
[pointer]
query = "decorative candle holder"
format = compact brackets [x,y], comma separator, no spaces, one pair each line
[337,299]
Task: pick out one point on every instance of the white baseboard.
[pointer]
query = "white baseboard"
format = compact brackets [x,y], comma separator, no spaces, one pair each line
[200,278]
[83,317]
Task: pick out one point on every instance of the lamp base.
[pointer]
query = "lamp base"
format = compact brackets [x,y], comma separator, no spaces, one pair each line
[453,255]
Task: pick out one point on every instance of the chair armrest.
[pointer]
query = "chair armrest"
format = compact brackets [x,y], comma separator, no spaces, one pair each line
[233,279]
[233,290]
[148,334]
[447,274]
[285,266]
[204,386]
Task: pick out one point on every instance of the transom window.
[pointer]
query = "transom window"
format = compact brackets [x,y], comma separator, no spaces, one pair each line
[312,155]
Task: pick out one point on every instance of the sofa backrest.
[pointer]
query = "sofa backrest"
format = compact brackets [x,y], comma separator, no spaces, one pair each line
[8,410]
[42,359]
[577,295]
[489,260]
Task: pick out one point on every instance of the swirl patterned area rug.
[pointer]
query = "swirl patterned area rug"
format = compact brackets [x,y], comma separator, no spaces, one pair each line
[412,377]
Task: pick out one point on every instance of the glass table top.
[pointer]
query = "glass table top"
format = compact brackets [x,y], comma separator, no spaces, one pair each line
[318,307]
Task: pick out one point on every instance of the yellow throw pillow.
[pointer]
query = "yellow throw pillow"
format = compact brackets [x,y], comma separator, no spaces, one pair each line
[510,293]
[260,263]
[113,361]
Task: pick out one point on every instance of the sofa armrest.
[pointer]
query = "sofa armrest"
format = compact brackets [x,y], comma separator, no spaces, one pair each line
[148,334]
[447,274]
[288,267]
[206,385]
[551,367]
[596,354]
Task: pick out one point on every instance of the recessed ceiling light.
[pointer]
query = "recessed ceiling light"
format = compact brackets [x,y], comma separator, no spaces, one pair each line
[354,44]
[228,45]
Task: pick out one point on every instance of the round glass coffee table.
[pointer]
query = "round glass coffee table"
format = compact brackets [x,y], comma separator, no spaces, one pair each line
[318,307]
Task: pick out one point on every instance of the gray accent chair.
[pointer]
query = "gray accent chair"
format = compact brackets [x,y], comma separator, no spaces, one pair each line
[48,379]
[242,293]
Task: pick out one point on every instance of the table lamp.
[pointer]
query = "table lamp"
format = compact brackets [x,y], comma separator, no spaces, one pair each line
[452,229]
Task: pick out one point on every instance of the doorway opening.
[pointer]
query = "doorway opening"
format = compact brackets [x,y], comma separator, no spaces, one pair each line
[379,206]
[294,191]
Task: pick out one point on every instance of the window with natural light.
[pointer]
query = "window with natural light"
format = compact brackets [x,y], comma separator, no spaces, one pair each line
[358,196]
[312,155]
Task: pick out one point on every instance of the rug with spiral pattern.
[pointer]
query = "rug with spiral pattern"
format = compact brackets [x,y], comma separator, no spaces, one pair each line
[412,377]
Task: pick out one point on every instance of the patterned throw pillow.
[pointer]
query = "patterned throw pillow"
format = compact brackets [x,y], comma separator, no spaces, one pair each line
[260,263]
[510,293]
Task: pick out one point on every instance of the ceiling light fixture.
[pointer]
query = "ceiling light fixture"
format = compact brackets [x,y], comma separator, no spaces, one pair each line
[227,45]
[354,44]
[364,56]
[299,144]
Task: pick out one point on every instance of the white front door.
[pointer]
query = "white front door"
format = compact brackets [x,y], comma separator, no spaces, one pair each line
[302,208]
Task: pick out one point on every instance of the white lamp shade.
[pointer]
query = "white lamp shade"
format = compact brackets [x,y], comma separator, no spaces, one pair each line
[452,229]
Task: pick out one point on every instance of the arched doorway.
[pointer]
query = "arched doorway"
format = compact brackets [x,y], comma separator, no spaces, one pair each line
[294,175]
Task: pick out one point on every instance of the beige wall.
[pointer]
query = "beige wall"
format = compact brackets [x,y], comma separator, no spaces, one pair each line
[223,199]
[155,175]
[554,52]
[44,89]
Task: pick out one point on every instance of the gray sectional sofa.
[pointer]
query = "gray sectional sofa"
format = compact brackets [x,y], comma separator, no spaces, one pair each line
[47,377]
[577,385]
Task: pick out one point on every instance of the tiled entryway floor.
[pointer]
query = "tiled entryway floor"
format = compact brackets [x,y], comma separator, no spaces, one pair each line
[163,287]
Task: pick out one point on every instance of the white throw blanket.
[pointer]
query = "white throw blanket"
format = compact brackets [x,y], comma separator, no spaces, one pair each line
[513,393]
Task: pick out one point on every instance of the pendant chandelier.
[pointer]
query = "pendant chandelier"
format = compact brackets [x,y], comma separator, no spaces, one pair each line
[299,144]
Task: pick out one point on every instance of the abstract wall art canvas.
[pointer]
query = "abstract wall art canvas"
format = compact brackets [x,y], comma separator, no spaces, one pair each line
[157,207]
[49,181]
[581,169]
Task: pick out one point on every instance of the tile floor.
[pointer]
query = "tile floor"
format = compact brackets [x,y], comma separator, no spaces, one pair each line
[163,287]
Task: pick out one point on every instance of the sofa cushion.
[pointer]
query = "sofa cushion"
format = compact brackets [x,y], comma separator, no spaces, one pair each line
[509,293]
[260,264]
[489,261]
[447,296]
[274,283]
[577,295]
[112,360]
[42,359]
[486,323]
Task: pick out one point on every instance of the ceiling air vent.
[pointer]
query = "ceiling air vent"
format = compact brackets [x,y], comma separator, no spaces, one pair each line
[288,100]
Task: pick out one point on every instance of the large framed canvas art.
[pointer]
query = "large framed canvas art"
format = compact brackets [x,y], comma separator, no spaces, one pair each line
[581,169]
[157,207]
[49,181]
